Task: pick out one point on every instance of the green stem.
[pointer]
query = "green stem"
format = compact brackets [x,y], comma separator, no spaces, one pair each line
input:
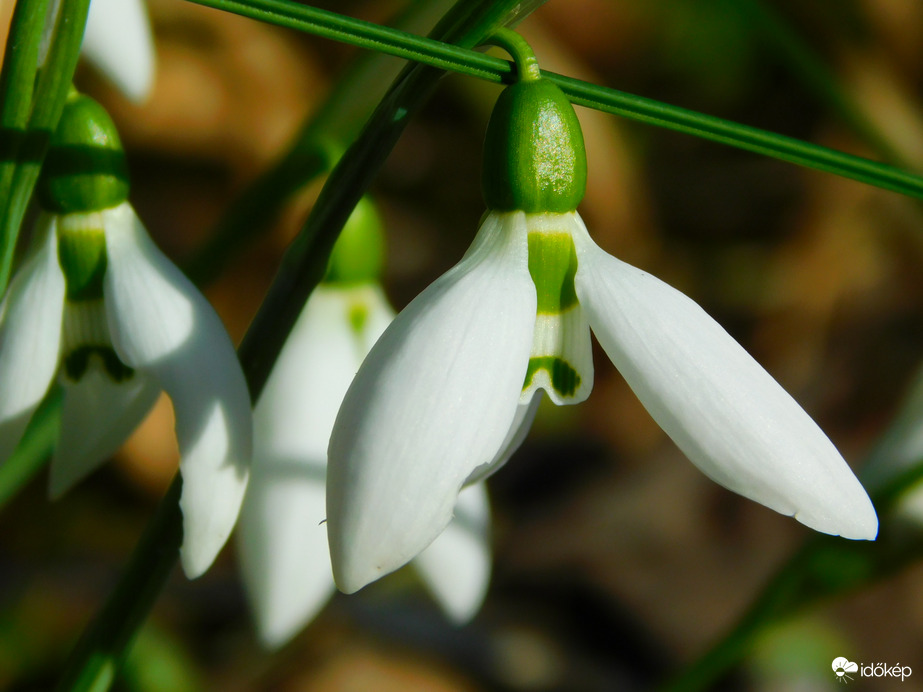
[431,52]
[814,73]
[17,81]
[527,68]
[95,660]
[33,450]
[315,149]
[50,92]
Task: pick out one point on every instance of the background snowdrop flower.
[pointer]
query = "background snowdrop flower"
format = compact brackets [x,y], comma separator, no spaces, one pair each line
[118,42]
[100,306]
[281,538]
[449,383]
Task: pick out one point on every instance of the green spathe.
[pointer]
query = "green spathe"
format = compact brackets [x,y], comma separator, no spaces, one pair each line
[534,156]
[85,169]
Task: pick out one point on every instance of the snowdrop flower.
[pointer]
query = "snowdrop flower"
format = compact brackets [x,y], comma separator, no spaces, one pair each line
[100,307]
[118,42]
[282,542]
[450,382]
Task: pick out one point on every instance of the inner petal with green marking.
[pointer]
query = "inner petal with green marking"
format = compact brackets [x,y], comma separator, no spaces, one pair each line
[561,361]
[85,339]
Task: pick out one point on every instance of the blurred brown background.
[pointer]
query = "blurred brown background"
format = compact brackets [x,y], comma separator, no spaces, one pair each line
[616,561]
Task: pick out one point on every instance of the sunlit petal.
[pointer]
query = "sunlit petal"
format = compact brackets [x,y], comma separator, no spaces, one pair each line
[118,41]
[30,336]
[723,410]
[97,416]
[161,325]
[434,400]
[456,566]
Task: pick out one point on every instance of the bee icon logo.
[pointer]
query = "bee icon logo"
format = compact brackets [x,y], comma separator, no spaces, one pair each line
[843,667]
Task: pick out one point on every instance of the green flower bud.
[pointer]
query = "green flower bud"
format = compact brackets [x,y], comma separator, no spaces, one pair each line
[359,252]
[534,157]
[85,168]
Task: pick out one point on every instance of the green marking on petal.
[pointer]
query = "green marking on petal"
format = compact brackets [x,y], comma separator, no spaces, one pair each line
[563,376]
[358,317]
[553,265]
[77,361]
[82,255]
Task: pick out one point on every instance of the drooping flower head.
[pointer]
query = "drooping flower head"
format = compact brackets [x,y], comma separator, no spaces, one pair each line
[450,388]
[98,306]
[282,540]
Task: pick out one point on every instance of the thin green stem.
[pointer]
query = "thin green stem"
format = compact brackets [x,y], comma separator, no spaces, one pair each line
[649,111]
[93,664]
[806,66]
[50,92]
[315,148]
[95,660]
[527,68]
[17,81]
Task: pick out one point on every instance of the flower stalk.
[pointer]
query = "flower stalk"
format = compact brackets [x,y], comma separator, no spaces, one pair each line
[649,111]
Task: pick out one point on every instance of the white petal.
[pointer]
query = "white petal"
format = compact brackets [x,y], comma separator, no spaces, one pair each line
[519,430]
[723,410]
[119,43]
[434,400]
[97,416]
[161,325]
[456,566]
[30,336]
[296,411]
[282,546]
[282,542]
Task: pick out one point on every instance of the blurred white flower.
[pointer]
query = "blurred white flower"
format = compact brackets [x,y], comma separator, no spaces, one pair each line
[281,538]
[118,42]
[99,305]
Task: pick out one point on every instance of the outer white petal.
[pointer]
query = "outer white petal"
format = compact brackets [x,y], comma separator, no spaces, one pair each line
[30,336]
[118,41]
[434,400]
[161,325]
[456,566]
[519,430]
[723,410]
[97,416]
[281,538]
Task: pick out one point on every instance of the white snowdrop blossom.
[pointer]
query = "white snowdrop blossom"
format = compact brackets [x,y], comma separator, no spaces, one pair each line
[151,331]
[282,542]
[101,308]
[118,42]
[451,381]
